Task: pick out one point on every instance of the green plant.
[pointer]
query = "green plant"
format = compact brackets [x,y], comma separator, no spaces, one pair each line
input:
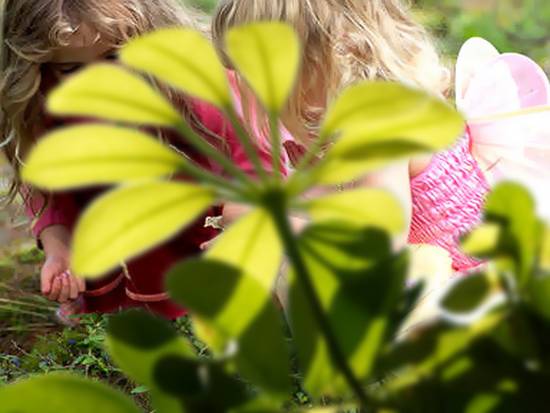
[347,291]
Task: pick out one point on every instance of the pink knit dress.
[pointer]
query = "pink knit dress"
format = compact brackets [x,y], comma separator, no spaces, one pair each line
[447,202]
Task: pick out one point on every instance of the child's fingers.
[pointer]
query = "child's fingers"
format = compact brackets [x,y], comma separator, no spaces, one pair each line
[65,289]
[73,287]
[81,283]
[55,289]
[46,282]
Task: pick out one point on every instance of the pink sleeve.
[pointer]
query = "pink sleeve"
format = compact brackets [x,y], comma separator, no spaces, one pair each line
[46,211]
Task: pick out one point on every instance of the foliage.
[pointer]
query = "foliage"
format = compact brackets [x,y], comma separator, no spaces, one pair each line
[512,26]
[348,296]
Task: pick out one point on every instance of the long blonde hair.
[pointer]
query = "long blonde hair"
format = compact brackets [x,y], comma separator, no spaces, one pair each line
[343,41]
[33,29]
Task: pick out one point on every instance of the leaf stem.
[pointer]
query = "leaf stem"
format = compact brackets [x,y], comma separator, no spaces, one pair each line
[212,153]
[275,144]
[245,140]
[277,208]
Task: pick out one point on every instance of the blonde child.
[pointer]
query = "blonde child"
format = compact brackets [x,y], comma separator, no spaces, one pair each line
[345,41]
[44,41]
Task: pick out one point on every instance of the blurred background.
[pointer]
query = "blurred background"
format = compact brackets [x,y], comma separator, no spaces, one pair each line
[511,25]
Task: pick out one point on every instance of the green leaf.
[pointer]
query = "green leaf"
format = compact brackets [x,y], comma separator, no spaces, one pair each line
[358,282]
[132,219]
[545,250]
[467,294]
[539,295]
[182,58]
[360,207]
[111,92]
[242,309]
[270,66]
[61,393]
[97,154]
[251,244]
[137,341]
[511,207]
[482,241]
[202,386]
[378,122]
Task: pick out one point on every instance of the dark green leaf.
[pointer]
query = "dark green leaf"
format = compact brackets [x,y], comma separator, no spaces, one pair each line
[467,294]
[242,309]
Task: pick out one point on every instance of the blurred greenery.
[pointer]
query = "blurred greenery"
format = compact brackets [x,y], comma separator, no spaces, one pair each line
[511,25]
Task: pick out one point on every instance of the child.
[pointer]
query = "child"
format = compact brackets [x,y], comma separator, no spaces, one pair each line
[346,41]
[44,42]
[343,42]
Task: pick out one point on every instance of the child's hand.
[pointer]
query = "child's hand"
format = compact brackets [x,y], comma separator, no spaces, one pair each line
[57,283]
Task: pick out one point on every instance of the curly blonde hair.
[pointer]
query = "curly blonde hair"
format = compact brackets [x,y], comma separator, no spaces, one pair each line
[33,29]
[343,41]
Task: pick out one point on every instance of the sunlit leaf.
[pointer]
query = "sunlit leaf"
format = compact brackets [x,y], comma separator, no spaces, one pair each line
[111,92]
[182,58]
[62,393]
[361,207]
[252,244]
[97,154]
[482,241]
[128,221]
[377,122]
[269,66]
[242,309]
[467,294]
[137,341]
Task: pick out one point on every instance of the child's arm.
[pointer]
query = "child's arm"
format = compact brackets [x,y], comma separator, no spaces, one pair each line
[396,180]
[52,230]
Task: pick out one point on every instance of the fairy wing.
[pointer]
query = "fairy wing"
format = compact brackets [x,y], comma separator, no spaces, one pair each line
[506,101]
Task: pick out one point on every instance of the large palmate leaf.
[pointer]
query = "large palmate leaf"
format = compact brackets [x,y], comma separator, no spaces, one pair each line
[182,58]
[97,154]
[242,309]
[111,92]
[357,284]
[377,122]
[251,244]
[361,208]
[63,393]
[137,341]
[129,220]
[267,55]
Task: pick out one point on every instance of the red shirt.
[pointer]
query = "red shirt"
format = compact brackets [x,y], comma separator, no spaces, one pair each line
[143,284]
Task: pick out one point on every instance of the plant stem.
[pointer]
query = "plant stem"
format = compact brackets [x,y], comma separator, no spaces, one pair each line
[245,140]
[212,153]
[277,209]
[275,144]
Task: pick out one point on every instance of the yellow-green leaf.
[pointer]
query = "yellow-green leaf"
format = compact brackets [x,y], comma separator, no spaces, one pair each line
[111,92]
[130,220]
[359,207]
[374,112]
[61,393]
[184,59]
[251,244]
[482,241]
[377,122]
[97,154]
[268,56]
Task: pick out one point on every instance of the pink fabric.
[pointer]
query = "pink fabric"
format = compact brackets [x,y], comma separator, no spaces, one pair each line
[447,202]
